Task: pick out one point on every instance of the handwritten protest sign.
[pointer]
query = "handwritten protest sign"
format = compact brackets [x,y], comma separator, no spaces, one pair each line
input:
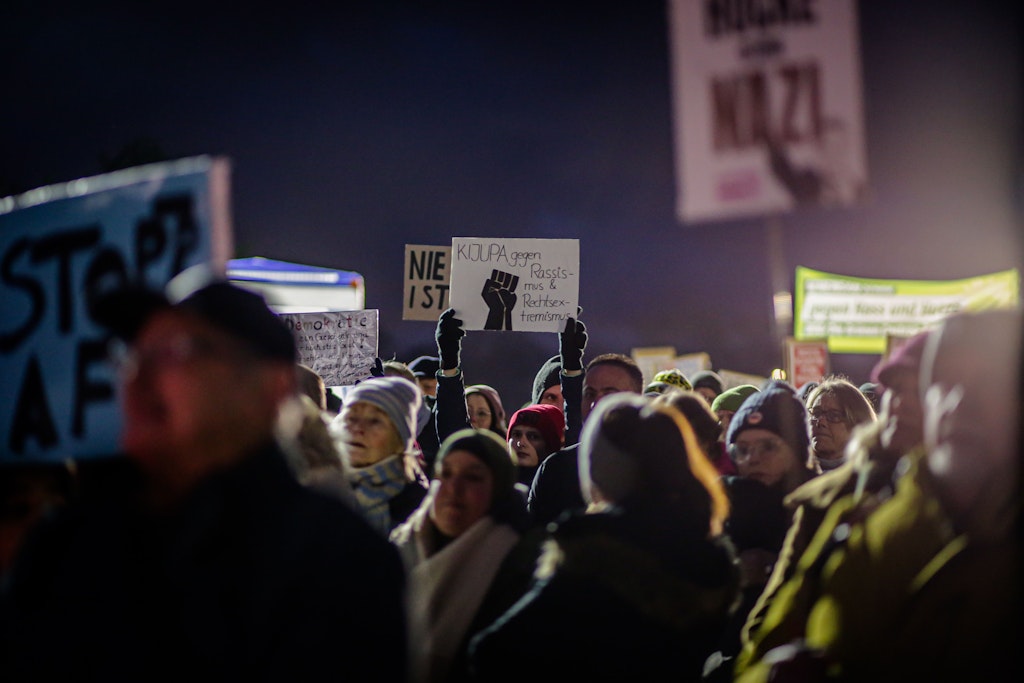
[61,246]
[338,346]
[522,285]
[426,281]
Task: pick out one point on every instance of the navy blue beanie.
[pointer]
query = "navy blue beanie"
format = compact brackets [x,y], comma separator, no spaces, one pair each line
[778,409]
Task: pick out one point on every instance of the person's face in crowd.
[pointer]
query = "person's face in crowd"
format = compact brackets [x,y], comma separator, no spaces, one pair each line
[970,413]
[464,495]
[367,434]
[762,455]
[552,396]
[603,380]
[901,408]
[528,445]
[830,427]
[428,385]
[480,415]
[708,394]
[724,419]
[192,396]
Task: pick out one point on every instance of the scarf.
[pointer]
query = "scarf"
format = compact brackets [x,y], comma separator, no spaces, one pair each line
[447,587]
[374,487]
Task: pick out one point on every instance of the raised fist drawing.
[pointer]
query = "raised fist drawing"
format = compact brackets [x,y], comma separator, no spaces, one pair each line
[499,294]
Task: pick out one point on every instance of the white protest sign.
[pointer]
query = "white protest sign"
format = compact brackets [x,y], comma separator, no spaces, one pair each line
[522,285]
[767,106]
[339,346]
[60,247]
[426,281]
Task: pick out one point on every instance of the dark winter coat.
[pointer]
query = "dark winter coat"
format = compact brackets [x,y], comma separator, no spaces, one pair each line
[615,598]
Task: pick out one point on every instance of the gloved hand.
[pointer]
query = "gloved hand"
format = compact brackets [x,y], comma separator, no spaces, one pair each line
[378,368]
[449,336]
[572,342]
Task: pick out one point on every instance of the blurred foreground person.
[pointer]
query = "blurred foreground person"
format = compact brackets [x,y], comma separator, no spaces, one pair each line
[210,558]
[638,587]
[925,586]
[459,547]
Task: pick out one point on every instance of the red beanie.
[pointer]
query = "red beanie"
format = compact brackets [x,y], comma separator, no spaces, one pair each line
[547,419]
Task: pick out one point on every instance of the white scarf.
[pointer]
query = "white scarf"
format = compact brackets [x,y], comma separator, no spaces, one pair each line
[446,588]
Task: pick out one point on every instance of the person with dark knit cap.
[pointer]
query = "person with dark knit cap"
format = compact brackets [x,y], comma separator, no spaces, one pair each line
[770,442]
[708,384]
[534,433]
[923,585]
[459,548]
[874,450]
[637,587]
[547,384]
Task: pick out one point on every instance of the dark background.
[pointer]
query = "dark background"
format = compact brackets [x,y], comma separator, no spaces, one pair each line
[353,132]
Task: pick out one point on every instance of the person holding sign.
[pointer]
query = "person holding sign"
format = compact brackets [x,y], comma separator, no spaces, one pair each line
[203,554]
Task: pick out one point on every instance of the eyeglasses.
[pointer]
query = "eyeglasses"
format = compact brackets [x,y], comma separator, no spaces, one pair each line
[830,416]
[170,353]
[747,449]
[480,414]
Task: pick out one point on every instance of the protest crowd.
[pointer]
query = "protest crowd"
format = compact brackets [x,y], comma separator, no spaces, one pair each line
[420,530]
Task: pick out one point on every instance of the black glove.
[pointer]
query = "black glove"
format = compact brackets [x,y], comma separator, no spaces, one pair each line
[449,336]
[378,368]
[571,343]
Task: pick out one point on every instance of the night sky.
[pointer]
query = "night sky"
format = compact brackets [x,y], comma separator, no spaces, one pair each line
[354,132]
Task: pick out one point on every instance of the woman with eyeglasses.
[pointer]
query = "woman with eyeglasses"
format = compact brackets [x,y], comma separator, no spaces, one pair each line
[834,408]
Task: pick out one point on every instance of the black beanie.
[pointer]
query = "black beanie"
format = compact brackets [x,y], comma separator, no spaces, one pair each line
[547,377]
[778,409]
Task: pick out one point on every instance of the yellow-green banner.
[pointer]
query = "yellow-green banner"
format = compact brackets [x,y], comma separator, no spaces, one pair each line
[857,314]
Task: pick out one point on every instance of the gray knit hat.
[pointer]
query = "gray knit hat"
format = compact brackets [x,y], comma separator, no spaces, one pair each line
[398,397]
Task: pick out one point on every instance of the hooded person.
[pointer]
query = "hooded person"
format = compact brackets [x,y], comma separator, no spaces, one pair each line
[485,409]
[637,587]
[458,548]
[534,433]
[375,433]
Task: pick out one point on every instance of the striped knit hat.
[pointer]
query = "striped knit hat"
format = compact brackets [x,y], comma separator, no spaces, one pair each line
[398,397]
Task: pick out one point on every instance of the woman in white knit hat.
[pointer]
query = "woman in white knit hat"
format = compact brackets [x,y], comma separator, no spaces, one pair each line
[376,435]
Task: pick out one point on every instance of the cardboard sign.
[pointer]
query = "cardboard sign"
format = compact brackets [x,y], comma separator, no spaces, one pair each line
[426,281]
[522,285]
[653,359]
[806,361]
[60,247]
[767,106]
[338,346]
